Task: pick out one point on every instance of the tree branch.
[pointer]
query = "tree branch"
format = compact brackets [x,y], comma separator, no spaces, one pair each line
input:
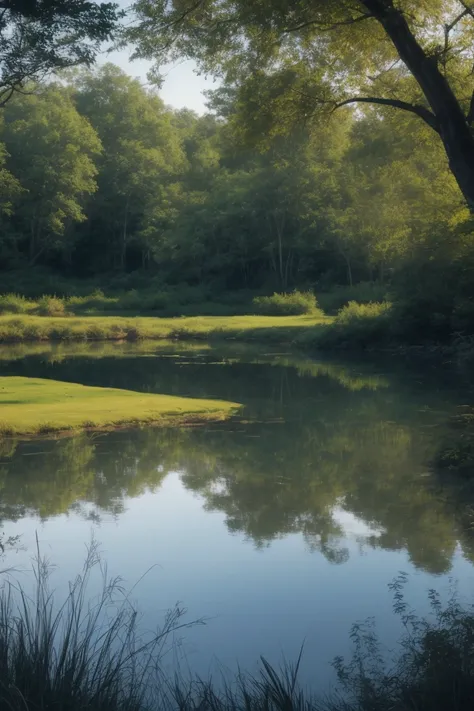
[324,26]
[468,9]
[417,109]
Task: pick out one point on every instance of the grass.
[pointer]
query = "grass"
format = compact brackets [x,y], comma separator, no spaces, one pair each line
[81,653]
[28,328]
[87,653]
[151,300]
[30,406]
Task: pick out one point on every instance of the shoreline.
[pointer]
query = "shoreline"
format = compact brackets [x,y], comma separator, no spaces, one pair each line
[35,407]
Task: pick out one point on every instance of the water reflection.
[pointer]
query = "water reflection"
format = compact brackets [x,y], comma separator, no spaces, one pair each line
[319,443]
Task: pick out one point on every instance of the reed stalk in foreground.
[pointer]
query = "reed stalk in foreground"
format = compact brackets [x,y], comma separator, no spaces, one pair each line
[86,653]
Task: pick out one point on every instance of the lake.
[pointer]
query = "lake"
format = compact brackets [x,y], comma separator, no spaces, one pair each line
[280,527]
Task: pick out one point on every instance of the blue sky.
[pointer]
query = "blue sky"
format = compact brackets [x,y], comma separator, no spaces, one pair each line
[182,86]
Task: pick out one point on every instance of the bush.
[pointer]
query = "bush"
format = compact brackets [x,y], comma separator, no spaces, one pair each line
[15,304]
[359,326]
[293,304]
[433,671]
[51,306]
[96,301]
[364,293]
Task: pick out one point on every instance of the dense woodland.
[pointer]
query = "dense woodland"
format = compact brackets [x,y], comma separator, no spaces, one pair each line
[324,160]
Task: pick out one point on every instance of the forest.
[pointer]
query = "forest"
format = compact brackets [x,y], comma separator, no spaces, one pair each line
[284,184]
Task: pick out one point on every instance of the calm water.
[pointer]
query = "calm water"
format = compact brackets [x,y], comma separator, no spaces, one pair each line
[283,526]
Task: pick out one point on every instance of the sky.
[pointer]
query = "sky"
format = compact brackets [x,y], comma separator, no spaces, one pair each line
[182,86]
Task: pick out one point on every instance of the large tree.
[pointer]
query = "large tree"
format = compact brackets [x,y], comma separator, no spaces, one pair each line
[51,150]
[38,37]
[412,55]
[142,159]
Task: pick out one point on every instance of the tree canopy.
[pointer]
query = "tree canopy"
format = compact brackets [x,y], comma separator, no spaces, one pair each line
[39,37]
[308,57]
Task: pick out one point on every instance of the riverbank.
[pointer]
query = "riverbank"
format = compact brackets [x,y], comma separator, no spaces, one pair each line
[372,327]
[20,329]
[33,406]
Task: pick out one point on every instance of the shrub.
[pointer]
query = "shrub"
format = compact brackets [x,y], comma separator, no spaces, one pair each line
[355,313]
[359,326]
[96,301]
[364,293]
[15,304]
[51,306]
[293,304]
[433,671]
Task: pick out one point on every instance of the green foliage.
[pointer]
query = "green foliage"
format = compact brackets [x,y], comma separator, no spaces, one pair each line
[287,64]
[293,304]
[39,39]
[359,326]
[355,313]
[15,304]
[51,306]
[432,671]
[53,148]
[114,203]
[363,293]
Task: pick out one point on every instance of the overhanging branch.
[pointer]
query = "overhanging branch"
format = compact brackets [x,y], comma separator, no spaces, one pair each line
[324,26]
[416,109]
[468,8]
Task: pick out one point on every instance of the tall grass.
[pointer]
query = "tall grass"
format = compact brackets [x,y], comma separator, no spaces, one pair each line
[83,653]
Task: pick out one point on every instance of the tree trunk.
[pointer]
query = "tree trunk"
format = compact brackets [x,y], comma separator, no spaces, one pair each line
[453,125]
[123,250]
[280,226]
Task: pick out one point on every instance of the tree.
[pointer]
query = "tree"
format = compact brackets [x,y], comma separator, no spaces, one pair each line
[410,55]
[142,157]
[52,151]
[39,37]
[10,191]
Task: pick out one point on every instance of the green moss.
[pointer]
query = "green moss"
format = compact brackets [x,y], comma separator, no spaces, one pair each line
[36,406]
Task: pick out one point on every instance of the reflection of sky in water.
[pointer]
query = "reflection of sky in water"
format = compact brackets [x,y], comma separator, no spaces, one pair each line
[354,527]
[284,530]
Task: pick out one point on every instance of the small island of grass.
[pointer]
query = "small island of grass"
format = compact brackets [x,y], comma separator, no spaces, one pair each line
[32,406]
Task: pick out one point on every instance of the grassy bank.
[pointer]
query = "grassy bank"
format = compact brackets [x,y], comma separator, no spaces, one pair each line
[79,654]
[31,406]
[294,317]
[99,328]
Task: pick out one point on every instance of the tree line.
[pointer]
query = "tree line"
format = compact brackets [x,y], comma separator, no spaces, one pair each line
[97,174]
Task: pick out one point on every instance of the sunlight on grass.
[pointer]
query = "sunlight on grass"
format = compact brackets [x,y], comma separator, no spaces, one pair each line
[24,328]
[36,406]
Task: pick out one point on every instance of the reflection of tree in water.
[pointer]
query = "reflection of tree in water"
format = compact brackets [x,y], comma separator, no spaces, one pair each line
[323,440]
[48,478]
